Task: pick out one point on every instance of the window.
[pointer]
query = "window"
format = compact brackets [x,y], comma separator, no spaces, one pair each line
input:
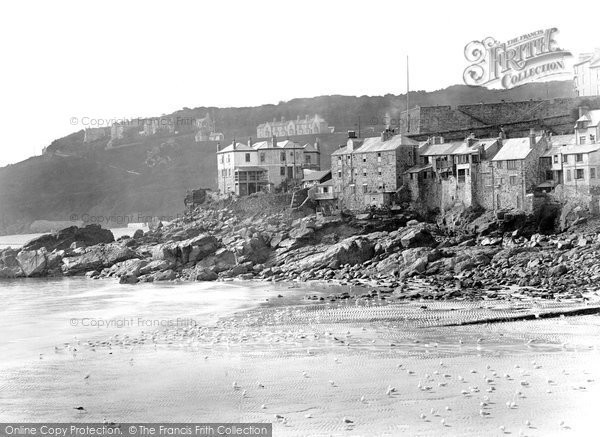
[339,159]
[582,139]
[592,138]
[364,158]
[282,171]
[365,188]
[556,159]
[353,189]
[424,175]
[488,181]
[247,157]
[579,157]
[379,171]
[513,180]
[565,159]
[307,158]
[340,174]
[499,164]
[228,157]
[378,157]
[568,175]
[282,156]
[511,164]
[221,159]
[364,172]
[292,154]
[262,157]
[549,175]
[501,181]
[593,173]
[579,174]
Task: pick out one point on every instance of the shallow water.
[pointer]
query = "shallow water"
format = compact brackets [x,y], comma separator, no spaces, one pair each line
[185,371]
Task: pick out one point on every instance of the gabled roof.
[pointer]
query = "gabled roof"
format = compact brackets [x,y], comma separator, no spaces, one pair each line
[593,117]
[514,148]
[573,149]
[288,144]
[562,140]
[375,144]
[316,175]
[239,147]
[326,183]
[341,151]
[440,149]
[465,149]
[308,147]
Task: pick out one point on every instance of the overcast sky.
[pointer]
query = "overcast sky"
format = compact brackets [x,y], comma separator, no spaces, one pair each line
[116,59]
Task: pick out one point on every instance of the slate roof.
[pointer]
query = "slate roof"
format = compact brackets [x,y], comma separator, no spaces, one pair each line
[375,144]
[514,148]
[592,116]
[239,147]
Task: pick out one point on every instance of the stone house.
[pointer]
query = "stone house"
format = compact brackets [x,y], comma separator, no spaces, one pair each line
[454,173]
[370,172]
[587,74]
[515,171]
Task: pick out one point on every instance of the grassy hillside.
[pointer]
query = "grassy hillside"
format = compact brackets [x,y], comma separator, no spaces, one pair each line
[74,179]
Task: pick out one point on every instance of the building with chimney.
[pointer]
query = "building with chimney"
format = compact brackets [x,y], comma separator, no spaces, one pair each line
[515,171]
[452,173]
[287,128]
[265,165]
[587,74]
[369,172]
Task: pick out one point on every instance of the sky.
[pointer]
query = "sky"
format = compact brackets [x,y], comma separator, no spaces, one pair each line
[63,61]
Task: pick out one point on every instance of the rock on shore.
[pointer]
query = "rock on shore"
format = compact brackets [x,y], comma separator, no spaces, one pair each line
[481,258]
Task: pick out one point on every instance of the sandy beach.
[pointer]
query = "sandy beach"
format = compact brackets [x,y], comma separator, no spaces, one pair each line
[328,369]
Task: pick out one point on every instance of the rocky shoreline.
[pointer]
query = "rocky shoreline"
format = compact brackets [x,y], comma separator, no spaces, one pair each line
[479,256]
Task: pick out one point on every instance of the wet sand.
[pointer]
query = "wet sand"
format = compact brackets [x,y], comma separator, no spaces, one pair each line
[317,365]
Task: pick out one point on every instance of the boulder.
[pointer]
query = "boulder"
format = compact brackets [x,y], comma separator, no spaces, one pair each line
[353,250]
[417,237]
[9,265]
[190,250]
[221,261]
[167,275]
[558,270]
[153,266]
[97,257]
[129,267]
[128,279]
[32,262]
[87,236]
[205,275]
[138,234]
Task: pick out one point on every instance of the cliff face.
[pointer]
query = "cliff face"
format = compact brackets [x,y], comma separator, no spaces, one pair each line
[84,182]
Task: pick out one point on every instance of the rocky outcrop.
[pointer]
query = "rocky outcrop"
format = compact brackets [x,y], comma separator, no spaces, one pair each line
[96,257]
[63,239]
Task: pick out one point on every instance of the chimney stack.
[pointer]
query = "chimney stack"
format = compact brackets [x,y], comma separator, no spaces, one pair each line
[532,137]
[249,141]
[317,144]
[218,146]
[234,146]
[351,134]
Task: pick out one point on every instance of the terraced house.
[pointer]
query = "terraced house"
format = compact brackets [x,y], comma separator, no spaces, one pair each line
[516,172]
[369,172]
[451,174]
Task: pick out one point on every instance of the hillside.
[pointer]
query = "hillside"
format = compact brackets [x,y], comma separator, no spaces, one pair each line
[74,179]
